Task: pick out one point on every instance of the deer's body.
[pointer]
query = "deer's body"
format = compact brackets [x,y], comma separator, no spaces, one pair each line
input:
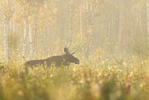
[56,60]
[34,62]
[60,60]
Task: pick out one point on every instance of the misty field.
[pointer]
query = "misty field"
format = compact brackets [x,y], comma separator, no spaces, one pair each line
[82,49]
[108,79]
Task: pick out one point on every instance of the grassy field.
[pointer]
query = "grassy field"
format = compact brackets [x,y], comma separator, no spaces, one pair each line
[106,42]
[107,79]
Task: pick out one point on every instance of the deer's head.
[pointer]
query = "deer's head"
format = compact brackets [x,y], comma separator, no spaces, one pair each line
[69,57]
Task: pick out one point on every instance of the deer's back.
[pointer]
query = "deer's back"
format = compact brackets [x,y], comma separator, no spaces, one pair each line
[34,62]
[56,60]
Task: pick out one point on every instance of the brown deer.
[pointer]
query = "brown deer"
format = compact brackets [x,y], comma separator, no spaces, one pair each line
[60,60]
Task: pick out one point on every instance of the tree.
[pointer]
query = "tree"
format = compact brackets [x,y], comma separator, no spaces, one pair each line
[7,13]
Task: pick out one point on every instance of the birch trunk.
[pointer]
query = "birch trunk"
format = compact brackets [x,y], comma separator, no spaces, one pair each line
[81,20]
[8,40]
[90,23]
[30,40]
[9,44]
[121,20]
[24,38]
[120,27]
[147,15]
[70,21]
[122,14]
[87,26]
[5,43]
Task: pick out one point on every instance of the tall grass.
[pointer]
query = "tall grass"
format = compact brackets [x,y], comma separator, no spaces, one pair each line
[114,79]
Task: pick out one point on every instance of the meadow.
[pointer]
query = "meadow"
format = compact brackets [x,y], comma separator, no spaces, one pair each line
[105,79]
[109,37]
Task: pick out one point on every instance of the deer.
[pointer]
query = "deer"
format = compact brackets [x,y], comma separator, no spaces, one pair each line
[59,60]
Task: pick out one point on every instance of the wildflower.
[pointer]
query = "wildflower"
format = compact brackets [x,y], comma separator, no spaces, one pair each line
[51,75]
[141,85]
[127,89]
[20,92]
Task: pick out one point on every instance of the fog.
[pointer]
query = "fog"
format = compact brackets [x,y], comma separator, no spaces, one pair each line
[41,28]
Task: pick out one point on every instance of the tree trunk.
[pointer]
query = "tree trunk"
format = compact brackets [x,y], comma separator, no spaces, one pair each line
[90,23]
[24,38]
[30,39]
[147,16]
[81,33]
[120,27]
[5,43]
[70,22]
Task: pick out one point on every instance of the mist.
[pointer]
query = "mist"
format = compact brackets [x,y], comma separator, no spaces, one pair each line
[41,27]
